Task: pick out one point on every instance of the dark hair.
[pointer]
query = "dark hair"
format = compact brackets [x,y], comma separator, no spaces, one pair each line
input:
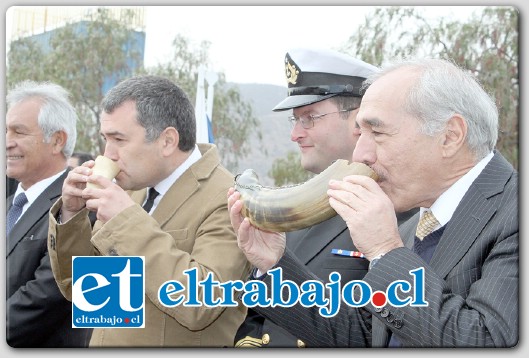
[160,104]
[346,102]
[82,156]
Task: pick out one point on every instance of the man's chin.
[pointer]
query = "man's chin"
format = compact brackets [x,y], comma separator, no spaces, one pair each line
[122,183]
[311,167]
[12,174]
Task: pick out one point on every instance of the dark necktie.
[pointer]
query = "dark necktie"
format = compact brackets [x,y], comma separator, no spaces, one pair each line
[150,199]
[15,210]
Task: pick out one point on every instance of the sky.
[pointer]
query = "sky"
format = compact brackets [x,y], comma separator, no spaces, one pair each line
[248,43]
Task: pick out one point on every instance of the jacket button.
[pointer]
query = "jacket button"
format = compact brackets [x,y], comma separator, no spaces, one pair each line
[266,338]
[301,344]
[378,309]
[385,312]
[397,323]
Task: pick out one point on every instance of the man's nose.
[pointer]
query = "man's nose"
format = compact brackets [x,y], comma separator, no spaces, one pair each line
[297,132]
[364,151]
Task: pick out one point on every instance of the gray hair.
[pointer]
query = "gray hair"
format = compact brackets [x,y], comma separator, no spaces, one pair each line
[444,89]
[160,104]
[56,113]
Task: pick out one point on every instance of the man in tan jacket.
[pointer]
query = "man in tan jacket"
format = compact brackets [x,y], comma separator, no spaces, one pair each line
[148,124]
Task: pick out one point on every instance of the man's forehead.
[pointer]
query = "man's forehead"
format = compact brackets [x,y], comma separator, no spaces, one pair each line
[121,116]
[392,86]
[22,118]
[120,125]
[370,111]
[31,105]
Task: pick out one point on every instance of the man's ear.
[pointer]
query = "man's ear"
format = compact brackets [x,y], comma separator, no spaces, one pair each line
[169,140]
[454,136]
[58,141]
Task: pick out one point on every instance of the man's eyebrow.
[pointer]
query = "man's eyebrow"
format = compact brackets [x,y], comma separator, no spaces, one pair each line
[373,122]
[112,134]
[19,126]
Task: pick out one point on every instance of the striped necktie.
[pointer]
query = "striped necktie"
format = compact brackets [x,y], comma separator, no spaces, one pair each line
[15,210]
[426,225]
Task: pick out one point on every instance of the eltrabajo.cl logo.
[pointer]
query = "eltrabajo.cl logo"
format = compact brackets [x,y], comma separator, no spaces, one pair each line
[108,291]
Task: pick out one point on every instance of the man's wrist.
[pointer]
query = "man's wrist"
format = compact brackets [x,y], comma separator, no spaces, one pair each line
[63,216]
[381,252]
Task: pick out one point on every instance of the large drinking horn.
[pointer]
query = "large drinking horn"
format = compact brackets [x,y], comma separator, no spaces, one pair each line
[293,207]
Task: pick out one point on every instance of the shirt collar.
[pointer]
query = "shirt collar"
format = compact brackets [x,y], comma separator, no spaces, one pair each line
[445,206]
[38,188]
[163,186]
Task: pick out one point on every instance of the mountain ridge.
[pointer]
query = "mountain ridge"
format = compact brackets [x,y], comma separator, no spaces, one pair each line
[274,126]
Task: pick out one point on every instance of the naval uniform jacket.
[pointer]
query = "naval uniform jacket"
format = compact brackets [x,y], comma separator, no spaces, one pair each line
[38,315]
[471,282]
[190,228]
[313,247]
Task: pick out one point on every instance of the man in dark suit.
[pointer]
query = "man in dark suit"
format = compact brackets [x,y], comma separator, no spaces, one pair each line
[323,126]
[40,136]
[11,186]
[429,130]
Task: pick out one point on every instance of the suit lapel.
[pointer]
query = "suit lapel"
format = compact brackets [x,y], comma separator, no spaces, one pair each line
[460,233]
[186,185]
[176,196]
[319,236]
[36,210]
[295,239]
[407,230]
[463,229]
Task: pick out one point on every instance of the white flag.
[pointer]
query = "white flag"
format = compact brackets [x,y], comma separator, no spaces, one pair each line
[203,107]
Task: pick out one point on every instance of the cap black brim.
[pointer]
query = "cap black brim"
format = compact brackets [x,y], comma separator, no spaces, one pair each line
[299,101]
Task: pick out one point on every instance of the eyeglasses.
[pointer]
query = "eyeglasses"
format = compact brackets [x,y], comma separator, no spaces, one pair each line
[307,121]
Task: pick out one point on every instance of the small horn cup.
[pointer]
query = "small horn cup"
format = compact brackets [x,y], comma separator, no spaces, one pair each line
[105,167]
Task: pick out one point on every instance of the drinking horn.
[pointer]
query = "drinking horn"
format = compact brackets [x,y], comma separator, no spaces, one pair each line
[293,207]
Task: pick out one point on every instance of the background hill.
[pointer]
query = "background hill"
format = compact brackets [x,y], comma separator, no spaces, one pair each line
[275,129]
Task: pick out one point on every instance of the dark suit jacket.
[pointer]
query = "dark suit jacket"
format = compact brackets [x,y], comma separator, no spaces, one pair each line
[312,246]
[37,313]
[471,283]
[11,186]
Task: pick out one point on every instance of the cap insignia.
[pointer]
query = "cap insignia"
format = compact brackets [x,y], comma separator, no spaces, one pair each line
[291,72]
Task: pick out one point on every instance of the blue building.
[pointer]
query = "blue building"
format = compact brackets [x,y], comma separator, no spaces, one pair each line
[41,23]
